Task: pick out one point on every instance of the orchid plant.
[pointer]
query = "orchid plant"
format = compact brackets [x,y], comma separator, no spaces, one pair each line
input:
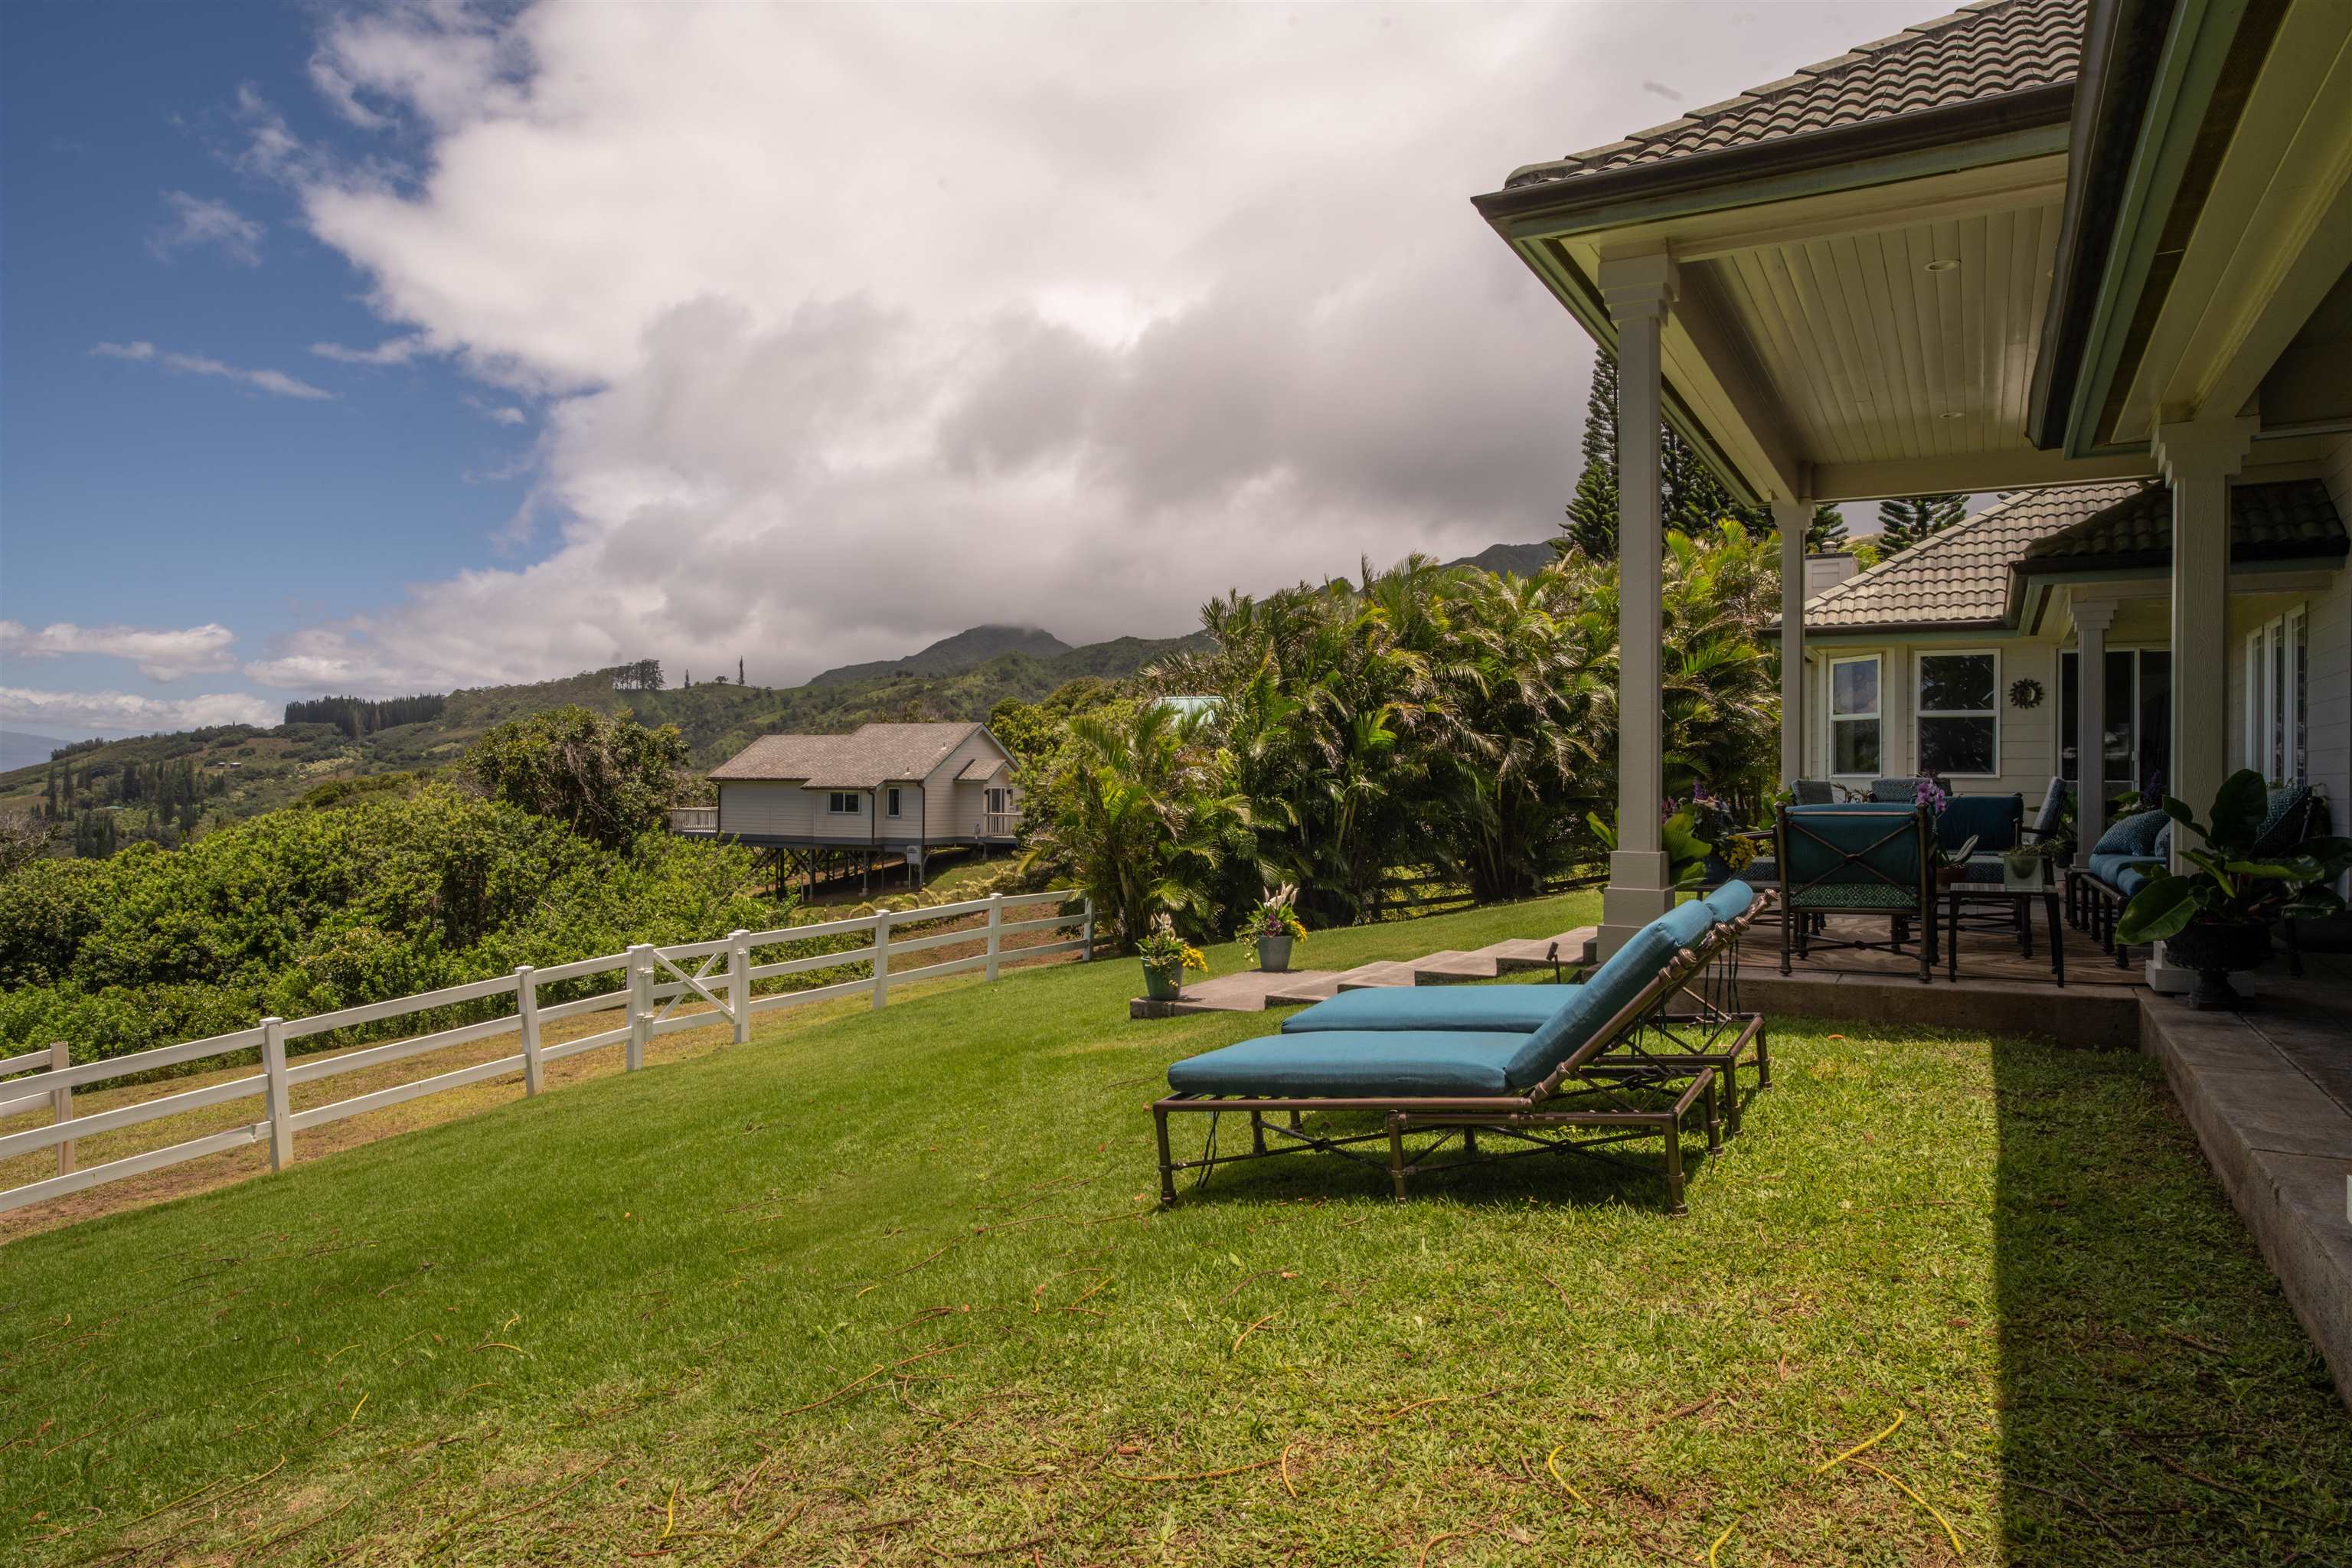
[1163,949]
[1276,914]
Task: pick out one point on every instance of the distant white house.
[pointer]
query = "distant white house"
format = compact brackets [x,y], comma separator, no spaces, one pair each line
[881,789]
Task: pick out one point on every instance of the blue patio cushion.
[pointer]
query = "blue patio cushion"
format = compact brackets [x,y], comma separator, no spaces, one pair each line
[2053,806]
[1730,902]
[2111,868]
[1884,834]
[2162,847]
[2283,826]
[2133,835]
[1509,1009]
[2131,879]
[1992,819]
[1608,989]
[1372,1063]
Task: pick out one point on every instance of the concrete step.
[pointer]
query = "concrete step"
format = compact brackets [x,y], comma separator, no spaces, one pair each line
[1245,991]
[1365,976]
[1451,967]
[1305,989]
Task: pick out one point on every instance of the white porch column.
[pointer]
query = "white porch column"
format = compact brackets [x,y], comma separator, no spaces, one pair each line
[1639,291]
[2199,456]
[2091,619]
[1793,518]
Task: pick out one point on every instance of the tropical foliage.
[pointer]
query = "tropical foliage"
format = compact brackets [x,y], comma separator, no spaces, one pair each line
[2232,883]
[609,780]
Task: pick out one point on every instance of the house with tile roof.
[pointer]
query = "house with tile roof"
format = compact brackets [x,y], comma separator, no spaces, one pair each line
[2095,256]
[882,790]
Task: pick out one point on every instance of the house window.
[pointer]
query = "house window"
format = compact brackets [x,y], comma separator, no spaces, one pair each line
[891,800]
[2139,720]
[844,803]
[1960,714]
[1853,716]
[2278,731]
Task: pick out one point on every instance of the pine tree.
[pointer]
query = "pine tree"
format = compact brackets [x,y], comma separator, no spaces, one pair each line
[1591,521]
[739,673]
[1825,535]
[1904,524]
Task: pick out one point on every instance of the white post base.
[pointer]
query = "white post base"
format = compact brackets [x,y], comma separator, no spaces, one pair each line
[1636,895]
[2166,978]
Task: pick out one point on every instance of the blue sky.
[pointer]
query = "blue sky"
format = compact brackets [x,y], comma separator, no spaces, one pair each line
[133,493]
[396,345]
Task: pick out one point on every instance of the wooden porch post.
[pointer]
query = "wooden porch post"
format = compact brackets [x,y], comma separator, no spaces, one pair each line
[1639,291]
[2091,619]
[1793,518]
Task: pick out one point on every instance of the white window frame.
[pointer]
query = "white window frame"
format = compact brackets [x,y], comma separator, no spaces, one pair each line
[1877,715]
[833,806]
[1919,713]
[2281,646]
[890,801]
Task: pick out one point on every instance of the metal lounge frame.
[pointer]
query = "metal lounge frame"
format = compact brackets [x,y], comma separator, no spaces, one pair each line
[1799,935]
[1707,1031]
[1614,1089]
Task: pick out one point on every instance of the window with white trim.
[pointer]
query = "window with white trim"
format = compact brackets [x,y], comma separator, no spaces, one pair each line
[890,801]
[1957,716]
[2278,729]
[1854,717]
[844,803]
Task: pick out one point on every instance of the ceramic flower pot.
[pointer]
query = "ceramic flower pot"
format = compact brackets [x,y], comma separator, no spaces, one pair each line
[2215,949]
[1163,982]
[1274,954]
[2022,874]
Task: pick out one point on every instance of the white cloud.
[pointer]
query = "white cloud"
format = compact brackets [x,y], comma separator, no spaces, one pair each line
[277,383]
[123,712]
[392,351]
[197,221]
[161,654]
[860,325]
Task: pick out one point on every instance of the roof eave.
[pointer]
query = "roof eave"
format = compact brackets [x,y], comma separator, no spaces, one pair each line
[1950,124]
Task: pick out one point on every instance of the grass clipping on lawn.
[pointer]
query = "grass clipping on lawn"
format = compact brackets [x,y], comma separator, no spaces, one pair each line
[895,1289]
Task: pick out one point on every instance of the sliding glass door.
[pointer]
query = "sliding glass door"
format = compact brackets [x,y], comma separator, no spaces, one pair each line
[2138,749]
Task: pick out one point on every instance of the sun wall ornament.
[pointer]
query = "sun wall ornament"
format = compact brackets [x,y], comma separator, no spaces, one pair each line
[2026,693]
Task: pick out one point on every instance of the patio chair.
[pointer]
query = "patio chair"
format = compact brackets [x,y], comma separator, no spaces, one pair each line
[1867,859]
[1814,791]
[1700,1029]
[1543,1091]
[1893,791]
[1990,823]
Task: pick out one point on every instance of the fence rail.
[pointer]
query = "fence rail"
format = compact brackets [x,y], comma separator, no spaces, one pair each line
[655,981]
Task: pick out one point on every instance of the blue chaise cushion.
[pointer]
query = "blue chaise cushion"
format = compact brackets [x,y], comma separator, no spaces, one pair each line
[2134,836]
[1730,901]
[1513,1009]
[2124,873]
[1372,1063]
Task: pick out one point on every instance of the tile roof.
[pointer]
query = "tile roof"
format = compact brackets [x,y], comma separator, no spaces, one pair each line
[1983,50]
[2290,520]
[1960,577]
[867,757]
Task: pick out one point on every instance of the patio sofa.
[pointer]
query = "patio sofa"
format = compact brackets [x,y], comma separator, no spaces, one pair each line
[1584,1080]
[2136,847]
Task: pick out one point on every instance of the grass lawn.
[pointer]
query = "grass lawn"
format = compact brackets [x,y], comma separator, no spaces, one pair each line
[893,1289]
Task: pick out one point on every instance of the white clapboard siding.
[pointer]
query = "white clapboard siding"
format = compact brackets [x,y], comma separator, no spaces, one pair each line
[723,992]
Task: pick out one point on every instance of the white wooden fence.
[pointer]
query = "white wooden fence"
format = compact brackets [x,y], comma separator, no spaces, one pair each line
[648,1004]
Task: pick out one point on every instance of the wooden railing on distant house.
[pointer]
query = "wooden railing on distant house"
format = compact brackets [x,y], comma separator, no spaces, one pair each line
[999,824]
[694,819]
[647,1002]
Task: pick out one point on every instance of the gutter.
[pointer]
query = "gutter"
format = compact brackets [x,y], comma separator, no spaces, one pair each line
[1924,129]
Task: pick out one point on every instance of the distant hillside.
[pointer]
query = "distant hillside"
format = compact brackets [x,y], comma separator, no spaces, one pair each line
[1523,560]
[19,750]
[954,656]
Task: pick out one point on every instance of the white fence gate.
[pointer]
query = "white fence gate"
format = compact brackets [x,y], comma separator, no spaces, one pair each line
[647,1003]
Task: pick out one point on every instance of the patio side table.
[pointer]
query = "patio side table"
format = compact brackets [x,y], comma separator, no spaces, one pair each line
[2019,902]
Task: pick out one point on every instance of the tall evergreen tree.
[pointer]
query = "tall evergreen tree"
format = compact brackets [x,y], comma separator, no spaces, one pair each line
[1825,535]
[1591,522]
[1904,524]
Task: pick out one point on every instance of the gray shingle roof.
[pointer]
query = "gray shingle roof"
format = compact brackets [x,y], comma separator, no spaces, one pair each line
[1983,50]
[869,756]
[2290,520]
[1960,577]
[982,768]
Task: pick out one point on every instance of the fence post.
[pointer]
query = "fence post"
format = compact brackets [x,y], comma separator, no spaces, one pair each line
[526,1011]
[739,984]
[274,1093]
[641,1005]
[61,1103]
[881,957]
[1087,934]
[996,933]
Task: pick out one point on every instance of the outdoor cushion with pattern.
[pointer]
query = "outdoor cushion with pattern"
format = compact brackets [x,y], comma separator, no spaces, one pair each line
[1895,792]
[1856,896]
[1515,1009]
[2162,849]
[1763,871]
[2133,835]
[1812,792]
[2283,826]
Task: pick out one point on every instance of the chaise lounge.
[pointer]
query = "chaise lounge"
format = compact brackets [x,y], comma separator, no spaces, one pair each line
[1601,1066]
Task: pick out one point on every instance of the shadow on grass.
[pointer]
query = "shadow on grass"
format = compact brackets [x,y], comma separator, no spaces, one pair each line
[2160,1403]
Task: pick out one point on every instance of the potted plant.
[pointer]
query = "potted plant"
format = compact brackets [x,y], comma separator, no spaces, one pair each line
[1952,864]
[1273,925]
[2020,867]
[2217,918]
[1166,956]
